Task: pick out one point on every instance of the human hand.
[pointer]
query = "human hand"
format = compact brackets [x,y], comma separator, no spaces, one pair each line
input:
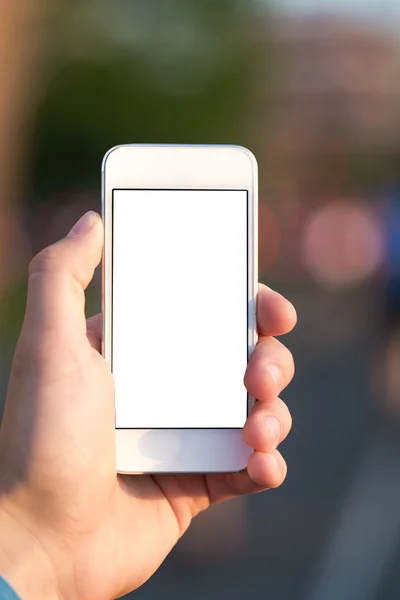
[70,527]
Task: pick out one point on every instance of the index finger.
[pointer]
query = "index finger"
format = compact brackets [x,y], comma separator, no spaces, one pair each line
[275,314]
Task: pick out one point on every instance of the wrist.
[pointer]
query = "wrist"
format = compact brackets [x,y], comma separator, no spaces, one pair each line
[24,562]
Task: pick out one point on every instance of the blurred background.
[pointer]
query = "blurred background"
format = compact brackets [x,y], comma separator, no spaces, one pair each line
[312,87]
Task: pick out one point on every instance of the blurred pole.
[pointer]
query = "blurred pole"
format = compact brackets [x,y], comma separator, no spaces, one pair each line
[21,37]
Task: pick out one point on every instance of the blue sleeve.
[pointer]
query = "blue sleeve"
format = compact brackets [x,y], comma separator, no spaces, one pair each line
[6,592]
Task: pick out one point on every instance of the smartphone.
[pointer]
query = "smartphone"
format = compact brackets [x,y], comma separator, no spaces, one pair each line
[179,303]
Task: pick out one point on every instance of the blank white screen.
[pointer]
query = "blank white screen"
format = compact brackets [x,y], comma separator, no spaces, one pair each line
[179,308]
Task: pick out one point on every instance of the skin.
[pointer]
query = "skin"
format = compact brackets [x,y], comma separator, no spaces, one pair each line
[70,527]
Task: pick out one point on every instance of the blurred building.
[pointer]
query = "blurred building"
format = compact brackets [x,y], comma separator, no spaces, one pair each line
[328,128]
[338,85]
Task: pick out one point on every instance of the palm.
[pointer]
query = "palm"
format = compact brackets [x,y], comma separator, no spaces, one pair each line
[170,501]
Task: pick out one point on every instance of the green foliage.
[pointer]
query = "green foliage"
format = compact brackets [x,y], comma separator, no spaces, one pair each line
[178,71]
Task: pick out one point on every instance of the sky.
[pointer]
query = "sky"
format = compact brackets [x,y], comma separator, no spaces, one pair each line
[385,10]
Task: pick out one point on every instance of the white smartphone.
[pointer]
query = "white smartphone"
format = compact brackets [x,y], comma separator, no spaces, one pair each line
[179,303]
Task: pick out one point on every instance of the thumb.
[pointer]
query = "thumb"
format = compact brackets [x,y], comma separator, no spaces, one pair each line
[58,277]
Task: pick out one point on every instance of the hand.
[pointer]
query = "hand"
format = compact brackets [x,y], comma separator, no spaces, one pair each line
[70,527]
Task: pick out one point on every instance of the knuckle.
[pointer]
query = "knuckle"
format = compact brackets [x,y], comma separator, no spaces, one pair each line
[280,411]
[259,381]
[277,409]
[45,261]
[260,377]
[271,349]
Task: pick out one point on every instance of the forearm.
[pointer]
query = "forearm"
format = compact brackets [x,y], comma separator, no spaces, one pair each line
[24,564]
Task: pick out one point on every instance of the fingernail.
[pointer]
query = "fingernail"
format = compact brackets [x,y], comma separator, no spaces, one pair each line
[276,375]
[85,224]
[274,427]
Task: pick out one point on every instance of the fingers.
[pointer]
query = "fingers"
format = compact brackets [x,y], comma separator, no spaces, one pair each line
[275,314]
[58,277]
[267,470]
[264,471]
[267,425]
[269,371]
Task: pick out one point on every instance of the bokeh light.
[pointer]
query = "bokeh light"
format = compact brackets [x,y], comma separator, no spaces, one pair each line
[343,244]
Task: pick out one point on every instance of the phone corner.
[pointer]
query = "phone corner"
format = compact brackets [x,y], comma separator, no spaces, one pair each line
[241,468]
[249,155]
[125,472]
[108,154]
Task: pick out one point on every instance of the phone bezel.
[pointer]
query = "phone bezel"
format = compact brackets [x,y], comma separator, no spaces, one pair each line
[137,166]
